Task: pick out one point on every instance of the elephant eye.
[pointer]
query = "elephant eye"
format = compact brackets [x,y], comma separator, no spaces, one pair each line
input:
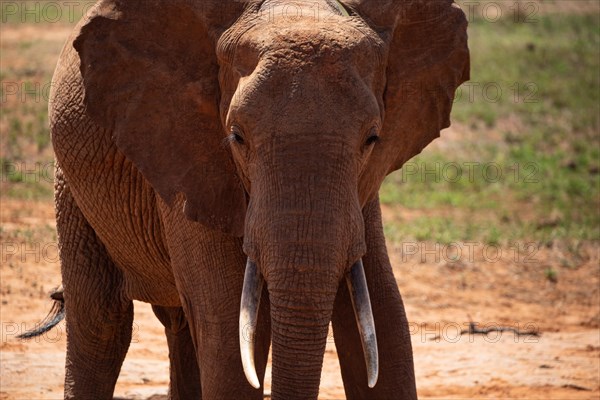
[372,139]
[236,136]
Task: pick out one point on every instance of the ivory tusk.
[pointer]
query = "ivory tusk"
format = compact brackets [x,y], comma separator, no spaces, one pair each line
[251,291]
[359,293]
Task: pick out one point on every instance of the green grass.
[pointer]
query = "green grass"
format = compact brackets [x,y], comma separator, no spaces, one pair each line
[551,274]
[545,71]
[548,187]
[28,61]
[31,181]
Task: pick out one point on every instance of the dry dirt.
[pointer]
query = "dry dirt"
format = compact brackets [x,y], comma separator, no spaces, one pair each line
[440,294]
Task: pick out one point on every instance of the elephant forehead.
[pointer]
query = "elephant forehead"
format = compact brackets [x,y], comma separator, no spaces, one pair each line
[309,41]
[304,41]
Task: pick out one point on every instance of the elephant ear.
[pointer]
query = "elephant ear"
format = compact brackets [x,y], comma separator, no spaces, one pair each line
[151,77]
[428,59]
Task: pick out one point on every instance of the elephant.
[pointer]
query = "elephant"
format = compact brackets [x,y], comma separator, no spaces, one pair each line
[221,160]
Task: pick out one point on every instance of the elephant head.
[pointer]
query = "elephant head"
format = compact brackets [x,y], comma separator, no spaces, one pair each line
[277,121]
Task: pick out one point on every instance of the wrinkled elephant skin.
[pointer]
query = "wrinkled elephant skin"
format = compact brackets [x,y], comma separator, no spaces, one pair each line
[194,138]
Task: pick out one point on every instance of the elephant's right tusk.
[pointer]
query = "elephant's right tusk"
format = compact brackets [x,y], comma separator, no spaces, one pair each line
[359,293]
[251,291]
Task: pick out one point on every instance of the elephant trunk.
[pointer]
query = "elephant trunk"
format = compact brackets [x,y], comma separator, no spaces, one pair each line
[300,322]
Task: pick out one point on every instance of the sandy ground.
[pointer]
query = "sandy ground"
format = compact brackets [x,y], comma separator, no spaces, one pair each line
[441,294]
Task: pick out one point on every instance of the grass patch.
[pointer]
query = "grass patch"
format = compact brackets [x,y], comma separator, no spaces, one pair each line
[542,71]
[28,61]
[26,181]
[551,274]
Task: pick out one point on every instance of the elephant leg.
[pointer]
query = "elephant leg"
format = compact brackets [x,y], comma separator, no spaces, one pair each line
[184,371]
[98,315]
[209,270]
[396,369]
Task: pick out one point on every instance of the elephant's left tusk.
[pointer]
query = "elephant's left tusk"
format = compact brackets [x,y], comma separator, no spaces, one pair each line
[359,293]
[251,291]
